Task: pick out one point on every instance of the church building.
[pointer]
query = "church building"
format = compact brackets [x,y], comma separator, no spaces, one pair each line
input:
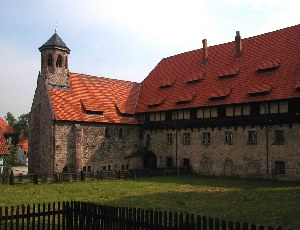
[226,110]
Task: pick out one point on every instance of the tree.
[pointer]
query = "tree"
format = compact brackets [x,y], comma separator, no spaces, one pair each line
[20,125]
[11,120]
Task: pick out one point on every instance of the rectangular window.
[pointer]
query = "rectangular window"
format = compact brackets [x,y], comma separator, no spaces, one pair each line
[228,137]
[246,110]
[279,136]
[84,168]
[109,167]
[229,111]
[280,167]
[104,168]
[252,137]
[186,138]
[283,107]
[206,138]
[127,167]
[123,167]
[169,138]
[89,168]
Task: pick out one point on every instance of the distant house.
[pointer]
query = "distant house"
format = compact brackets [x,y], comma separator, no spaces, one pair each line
[7,134]
[22,158]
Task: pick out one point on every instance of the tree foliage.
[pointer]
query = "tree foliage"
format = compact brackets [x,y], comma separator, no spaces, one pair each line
[11,158]
[21,124]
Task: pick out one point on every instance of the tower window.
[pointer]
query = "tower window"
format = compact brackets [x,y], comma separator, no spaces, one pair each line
[50,61]
[66,62]
[59,61]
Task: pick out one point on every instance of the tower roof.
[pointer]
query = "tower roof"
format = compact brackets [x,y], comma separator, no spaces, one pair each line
[55,42]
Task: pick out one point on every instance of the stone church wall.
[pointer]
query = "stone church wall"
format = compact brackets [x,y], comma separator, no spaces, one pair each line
[40,139]
[88,144]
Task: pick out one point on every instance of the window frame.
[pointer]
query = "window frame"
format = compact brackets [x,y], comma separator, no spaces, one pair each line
[169,138]
[279,138]
[280,168]
[252,137]
[228,137]
[187,139]
[206,138]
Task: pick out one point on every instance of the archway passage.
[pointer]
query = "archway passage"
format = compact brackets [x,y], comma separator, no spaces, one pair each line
[150,160]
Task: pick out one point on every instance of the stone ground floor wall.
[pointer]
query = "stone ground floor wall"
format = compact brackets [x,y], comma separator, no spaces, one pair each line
[90,146]
[239,158]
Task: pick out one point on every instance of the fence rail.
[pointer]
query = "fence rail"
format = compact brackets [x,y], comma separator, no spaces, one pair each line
[98,175]
[81,215]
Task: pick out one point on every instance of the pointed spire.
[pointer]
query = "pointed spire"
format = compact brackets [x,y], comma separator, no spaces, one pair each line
[55,42]
[55,31]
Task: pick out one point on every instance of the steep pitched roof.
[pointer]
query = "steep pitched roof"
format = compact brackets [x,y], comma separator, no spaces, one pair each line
[55,42]
[267,70]
[95,99]
[24,145]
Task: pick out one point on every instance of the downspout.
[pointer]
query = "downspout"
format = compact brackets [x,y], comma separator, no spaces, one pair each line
[176,139]
[267,136]
[53,150]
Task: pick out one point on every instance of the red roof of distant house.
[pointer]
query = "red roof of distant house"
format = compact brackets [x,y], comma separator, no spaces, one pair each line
[95,99]
[24,145]
[267,70]
[4,129]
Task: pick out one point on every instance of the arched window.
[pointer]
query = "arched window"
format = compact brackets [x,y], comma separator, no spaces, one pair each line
[120,133]
[50,61]
[148,140]
[59,61]
[106,133]
[66,62]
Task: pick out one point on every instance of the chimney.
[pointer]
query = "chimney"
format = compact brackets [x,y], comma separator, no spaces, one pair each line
[204,52]
[238,45]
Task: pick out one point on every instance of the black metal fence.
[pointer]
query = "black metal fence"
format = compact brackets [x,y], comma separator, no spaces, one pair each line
[82,215]
[98,175]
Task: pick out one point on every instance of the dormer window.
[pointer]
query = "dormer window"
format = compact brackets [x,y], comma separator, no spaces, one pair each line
[259,90]
[49,60]
[267,66]
[59,61]
[228,73]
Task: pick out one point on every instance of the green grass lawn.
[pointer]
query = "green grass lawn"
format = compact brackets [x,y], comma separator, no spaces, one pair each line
[254,201]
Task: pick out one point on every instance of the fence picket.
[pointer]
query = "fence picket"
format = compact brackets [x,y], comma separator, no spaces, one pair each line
[39,216]
[17,217]
[224,225]
[6,218]
[11,222]
[28,216]
[198,222]
[210,223]
[217,224]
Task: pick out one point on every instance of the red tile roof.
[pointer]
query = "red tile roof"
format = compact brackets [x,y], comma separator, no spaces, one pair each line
[6,128]
[261,52]
[90,96]
[24,145]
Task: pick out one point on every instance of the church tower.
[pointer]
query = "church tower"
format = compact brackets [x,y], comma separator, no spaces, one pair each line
[54,61]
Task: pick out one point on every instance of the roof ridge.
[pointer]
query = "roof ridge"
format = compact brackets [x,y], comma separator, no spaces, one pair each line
[93,76]
[225,43]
